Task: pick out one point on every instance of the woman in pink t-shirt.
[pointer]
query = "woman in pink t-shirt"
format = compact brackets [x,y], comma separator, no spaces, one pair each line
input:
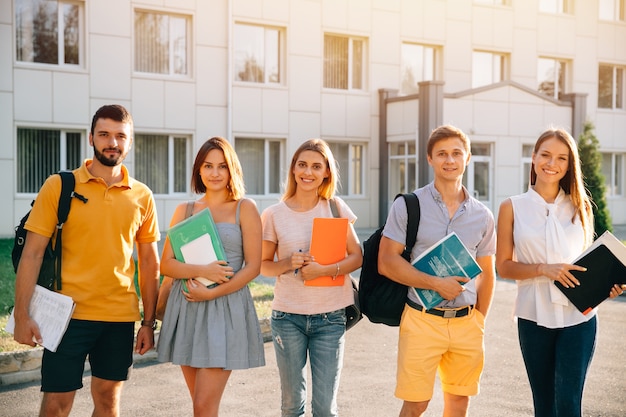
[308,320]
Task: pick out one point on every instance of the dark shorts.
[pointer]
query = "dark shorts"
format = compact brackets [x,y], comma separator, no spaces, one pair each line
[108,345]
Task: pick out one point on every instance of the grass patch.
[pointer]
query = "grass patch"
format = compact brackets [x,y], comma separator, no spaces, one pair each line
[262,294]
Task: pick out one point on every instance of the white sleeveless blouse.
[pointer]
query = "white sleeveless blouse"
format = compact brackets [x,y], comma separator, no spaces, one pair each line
[544,233]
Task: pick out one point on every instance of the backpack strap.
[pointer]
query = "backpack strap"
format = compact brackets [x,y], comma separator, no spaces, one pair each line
[333,207]
[413,221]
[65,198]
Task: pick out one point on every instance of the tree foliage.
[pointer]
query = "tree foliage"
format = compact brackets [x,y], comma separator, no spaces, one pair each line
[590,158]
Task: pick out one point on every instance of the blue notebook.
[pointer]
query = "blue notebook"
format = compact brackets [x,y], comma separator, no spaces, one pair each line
[448,257]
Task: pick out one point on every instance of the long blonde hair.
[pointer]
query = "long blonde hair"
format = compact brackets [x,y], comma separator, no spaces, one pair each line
[327,189]
[572,183]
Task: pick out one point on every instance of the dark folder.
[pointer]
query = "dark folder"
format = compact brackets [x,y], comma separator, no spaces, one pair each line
[604,270]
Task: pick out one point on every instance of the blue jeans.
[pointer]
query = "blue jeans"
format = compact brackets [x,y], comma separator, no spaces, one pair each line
[556,363]
[321,336]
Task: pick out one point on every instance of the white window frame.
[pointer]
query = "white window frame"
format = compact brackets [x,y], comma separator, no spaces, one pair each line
[266,44]
[406,159]
[469,176]
[496,72]
[271,186]
[172,50]
[612,10]
[558,76]
[556,6]
[493,2]
[351,70]
[173,163]
[60,36]
[420,68]
[618,87]
[613,171]
[526,163]
[37,168]
[354,174]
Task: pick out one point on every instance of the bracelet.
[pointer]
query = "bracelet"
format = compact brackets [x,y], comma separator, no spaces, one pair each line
[336,272]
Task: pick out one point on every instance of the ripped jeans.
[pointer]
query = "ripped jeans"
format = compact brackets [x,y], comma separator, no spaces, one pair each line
[321,336]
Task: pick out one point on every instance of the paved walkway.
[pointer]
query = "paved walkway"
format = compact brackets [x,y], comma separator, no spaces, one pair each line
[368,377]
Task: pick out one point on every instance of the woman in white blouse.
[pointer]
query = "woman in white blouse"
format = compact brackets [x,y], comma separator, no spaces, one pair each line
[540,233]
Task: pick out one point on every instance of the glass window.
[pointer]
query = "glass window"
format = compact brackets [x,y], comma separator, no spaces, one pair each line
[610,87]
[613,171]
[49,31]
[556,6]
[402,167]
[344,62]
[477,177]
[551,77]
[487,68]
[161,43]
[612,10]
[161,163]
[262,164]
[258,53]
[418,64]
[527,154]
[42,152]
[349,157]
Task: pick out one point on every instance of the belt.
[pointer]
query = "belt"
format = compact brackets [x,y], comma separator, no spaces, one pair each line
[446,313]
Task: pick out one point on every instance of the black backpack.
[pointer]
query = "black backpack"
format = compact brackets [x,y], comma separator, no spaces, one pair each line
[50,272]
[381,299]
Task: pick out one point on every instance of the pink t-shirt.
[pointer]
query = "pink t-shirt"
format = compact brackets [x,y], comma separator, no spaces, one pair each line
[291,231]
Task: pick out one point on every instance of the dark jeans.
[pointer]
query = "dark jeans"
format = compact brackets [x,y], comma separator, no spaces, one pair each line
[556,363]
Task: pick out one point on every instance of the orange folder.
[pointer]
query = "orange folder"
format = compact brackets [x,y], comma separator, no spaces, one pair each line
[328,246]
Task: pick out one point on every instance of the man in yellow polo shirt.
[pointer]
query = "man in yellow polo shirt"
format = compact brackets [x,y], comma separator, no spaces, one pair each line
[97,271]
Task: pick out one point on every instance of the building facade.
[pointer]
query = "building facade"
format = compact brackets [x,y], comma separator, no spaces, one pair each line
[371,77]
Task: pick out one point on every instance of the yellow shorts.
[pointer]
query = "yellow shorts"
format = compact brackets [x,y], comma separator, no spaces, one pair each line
[429,343]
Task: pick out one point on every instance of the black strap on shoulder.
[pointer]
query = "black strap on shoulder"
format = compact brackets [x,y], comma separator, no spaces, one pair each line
[67,189]
[413,221]
[65,198]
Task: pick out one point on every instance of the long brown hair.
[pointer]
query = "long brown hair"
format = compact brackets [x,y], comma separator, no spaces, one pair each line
[236,187]
[327,189]
[572,183]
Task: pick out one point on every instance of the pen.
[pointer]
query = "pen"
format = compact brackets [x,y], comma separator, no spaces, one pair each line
[295,271]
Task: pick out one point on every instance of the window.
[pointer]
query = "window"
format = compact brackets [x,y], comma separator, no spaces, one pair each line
[551,75]
[262,164]
[161,163]
[527,162]
[610,87]
[493,2]
[344,62]
[477,177]
[418,64]
[258,53]
[49,31]
[350,158]
[487,68]
[161,43]
[612,10]
[402,166]
[42,152]
[556,6]
[613,171]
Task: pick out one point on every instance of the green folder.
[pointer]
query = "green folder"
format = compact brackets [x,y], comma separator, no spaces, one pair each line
[196,241]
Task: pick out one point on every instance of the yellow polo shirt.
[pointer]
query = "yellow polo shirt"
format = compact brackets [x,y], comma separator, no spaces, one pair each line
[98,241]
